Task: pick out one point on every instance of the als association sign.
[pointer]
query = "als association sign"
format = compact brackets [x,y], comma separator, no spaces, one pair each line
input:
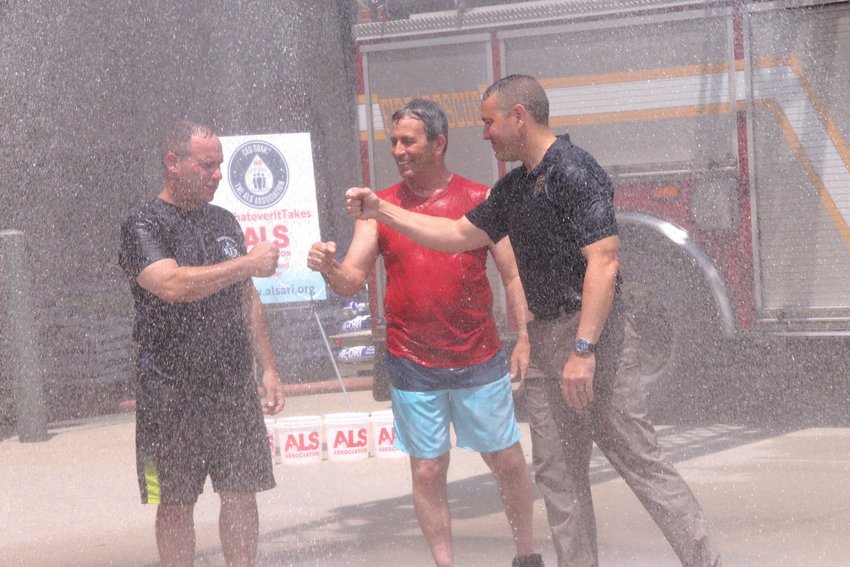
[268,185]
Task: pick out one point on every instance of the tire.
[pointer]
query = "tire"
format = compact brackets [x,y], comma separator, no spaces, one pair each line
[673,312]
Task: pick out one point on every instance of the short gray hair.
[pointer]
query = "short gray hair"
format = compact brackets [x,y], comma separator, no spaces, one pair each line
[430,114]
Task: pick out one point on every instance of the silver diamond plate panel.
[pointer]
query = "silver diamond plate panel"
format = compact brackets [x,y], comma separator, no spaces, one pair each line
[509,15]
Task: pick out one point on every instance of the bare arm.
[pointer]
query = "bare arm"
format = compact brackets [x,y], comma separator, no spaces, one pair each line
[600,279]
[255,321]
[182,284]
[438,233]
[347,277]
[503,255]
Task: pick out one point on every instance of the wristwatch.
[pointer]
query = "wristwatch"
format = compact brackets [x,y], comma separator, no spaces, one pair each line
[584,346]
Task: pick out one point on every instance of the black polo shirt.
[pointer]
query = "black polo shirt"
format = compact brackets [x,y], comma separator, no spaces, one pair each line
[202,343]
[550,214]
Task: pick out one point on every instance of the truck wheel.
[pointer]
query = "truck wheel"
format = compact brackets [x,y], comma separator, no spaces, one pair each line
[674,315]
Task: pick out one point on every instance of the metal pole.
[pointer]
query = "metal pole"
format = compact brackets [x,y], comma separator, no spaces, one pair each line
[20,349]
[330,352]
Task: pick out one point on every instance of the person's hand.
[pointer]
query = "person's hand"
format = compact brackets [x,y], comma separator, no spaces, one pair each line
[362,203]
[577,380]
[272,396]
[322,257]
[519,360]
[263,258]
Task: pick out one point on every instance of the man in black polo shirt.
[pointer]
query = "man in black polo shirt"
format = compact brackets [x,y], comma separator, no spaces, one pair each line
[558,210]
[198,319]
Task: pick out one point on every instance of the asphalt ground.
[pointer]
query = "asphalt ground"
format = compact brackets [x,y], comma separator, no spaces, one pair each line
[776,490]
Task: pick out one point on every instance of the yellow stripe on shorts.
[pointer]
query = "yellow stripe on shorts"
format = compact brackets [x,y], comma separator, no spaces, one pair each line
[151,482]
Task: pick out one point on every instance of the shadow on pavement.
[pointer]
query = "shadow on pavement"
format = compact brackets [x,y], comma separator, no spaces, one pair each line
[376,528]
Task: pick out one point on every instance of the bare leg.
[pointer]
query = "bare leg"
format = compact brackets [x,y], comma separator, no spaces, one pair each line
[514,483]
[239,528]
[175,534]
[431,503]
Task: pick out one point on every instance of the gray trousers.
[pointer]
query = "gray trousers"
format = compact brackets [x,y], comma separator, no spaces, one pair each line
[562,440]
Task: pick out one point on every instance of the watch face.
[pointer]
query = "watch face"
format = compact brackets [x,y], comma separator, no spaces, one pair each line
[584,346]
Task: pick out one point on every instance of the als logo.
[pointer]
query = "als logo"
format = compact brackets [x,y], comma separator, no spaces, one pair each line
[228,246]
[258,174]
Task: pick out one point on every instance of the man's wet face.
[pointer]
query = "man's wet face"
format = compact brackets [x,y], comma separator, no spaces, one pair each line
[199,172]
[499,129]
[412,152]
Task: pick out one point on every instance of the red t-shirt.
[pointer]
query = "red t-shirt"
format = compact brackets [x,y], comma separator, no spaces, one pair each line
[438,306]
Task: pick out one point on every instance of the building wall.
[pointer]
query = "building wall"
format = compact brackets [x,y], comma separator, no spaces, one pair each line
[86,88]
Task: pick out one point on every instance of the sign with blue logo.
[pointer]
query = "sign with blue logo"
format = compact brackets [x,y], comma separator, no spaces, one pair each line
[269,186]
[258,174]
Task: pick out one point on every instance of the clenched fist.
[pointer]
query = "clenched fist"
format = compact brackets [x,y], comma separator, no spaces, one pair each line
[263,258]
[322,257]
[362,203]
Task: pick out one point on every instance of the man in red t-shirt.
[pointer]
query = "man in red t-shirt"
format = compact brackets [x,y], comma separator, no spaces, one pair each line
[444,356]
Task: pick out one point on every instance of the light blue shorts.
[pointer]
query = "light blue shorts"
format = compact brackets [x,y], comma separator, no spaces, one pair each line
[483,417]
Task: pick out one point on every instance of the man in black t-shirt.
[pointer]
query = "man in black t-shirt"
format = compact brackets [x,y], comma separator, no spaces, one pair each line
[558,210]
[198,320]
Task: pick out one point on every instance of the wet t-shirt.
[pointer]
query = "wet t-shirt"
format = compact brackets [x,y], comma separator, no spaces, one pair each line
[202,344]
[438,306]
[550,214]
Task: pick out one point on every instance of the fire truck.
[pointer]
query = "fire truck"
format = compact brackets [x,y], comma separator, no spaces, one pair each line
[724,126]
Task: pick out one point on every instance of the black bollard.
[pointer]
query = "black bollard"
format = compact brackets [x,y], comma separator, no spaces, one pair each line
[20,360]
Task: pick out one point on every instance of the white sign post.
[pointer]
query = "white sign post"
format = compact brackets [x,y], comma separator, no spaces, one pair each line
[268,184]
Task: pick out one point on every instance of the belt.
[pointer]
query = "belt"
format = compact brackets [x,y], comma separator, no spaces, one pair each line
[566,309]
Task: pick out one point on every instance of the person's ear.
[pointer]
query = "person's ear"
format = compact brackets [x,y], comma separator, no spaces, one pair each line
[170,160]
[519,112]
[441,143]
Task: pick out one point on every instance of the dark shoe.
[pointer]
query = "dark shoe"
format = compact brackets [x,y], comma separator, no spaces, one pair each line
[533,560]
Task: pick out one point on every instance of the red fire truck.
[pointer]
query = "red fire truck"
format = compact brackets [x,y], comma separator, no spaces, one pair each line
[723,124]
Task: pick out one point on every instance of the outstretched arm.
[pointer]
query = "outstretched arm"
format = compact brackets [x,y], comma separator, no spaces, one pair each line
[182,284]
[347,277]
[437,233]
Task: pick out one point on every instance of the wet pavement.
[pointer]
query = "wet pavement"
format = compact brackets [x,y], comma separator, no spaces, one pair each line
[777,495]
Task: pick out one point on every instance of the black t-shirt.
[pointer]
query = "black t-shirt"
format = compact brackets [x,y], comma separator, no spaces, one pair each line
[550,213]
[203,343]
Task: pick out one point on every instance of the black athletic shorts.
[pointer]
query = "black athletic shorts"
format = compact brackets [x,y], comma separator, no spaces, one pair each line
[181,438]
